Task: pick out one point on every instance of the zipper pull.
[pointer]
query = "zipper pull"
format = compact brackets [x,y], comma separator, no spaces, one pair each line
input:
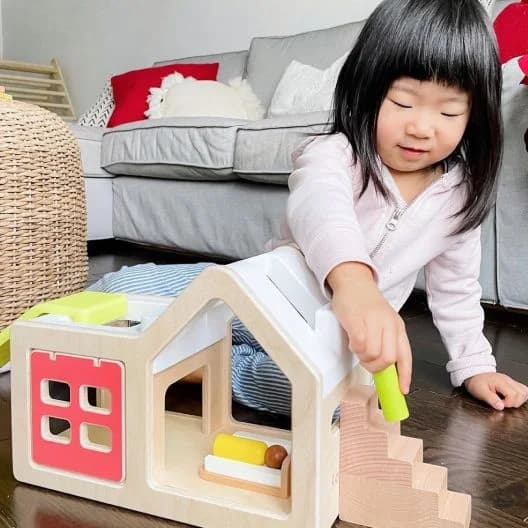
[392,224]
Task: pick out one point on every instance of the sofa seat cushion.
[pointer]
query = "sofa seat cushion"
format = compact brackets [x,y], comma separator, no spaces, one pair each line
[233,220]
[263,148]
[182,148]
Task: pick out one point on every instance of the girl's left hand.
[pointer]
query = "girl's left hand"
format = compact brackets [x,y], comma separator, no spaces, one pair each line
[497,390]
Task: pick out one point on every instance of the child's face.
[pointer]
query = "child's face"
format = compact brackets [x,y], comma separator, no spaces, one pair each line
[420,123]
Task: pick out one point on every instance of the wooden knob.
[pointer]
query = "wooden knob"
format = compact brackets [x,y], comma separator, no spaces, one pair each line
[275,456]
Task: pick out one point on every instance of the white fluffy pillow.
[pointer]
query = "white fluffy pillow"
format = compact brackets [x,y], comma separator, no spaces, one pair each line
[304,88]
[185,96]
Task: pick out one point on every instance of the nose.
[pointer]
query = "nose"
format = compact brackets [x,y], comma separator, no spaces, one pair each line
[420,125]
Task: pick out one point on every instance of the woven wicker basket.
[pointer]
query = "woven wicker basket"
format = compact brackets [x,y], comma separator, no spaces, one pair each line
[42,210]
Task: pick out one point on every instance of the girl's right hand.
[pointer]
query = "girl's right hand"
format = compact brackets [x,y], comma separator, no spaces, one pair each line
[376,332]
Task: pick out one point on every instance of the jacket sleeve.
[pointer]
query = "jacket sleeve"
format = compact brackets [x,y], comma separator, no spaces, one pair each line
[321,211]
[453,293]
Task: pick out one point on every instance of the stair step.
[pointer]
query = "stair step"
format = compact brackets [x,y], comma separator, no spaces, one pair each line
[378,423]
[359,395]
[405,448]
[455,510]
[428,477]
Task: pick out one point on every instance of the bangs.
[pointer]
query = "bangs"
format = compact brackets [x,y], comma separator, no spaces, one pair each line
[431,56]
[432,42]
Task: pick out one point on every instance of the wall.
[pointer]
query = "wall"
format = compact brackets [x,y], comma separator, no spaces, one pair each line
[93,39]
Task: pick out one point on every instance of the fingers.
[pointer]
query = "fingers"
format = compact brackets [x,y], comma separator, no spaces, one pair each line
[374,343]
[487,393]
[380,345]
[357,336]
[499,391]
[380,349]
[490,396]
[404,361]
[514,393]
[380,340]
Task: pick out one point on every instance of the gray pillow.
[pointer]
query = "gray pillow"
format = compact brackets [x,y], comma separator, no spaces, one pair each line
[232,63]
[269,56]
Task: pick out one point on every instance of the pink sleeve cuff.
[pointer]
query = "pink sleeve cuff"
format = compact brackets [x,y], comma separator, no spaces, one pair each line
[465,368]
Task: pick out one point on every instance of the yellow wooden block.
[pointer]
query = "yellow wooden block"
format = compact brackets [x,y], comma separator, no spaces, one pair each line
[241,449]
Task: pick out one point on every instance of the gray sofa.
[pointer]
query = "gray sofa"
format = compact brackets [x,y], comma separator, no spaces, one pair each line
[217,187]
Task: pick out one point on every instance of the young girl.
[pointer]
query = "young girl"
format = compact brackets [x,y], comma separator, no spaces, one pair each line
[403,181]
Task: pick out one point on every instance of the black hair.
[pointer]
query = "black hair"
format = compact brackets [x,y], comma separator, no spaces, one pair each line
[446,41]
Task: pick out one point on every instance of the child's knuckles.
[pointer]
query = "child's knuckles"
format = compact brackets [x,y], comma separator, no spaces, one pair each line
[357,344]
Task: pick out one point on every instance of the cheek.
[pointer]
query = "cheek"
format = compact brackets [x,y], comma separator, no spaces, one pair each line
[385,130]
[454,134]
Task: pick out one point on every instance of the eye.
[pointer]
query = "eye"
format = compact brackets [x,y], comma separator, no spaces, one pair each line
[445,114]
[400,104]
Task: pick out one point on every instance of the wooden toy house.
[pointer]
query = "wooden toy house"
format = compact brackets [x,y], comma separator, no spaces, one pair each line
[126,449]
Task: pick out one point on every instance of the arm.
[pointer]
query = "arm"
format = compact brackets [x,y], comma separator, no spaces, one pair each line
[454,298]
[321,209]
[453,293]
[322,218]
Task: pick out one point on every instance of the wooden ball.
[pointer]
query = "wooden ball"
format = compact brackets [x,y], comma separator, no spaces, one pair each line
[275,456]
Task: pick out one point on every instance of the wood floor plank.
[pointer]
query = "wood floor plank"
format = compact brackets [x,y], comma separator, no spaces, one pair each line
[5,420]
[5,386]
[39,508]
[512,499]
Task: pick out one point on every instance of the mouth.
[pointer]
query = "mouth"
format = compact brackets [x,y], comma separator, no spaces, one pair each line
[412,153]
[412,149]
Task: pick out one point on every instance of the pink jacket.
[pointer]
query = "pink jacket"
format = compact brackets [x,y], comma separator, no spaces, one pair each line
[331,225]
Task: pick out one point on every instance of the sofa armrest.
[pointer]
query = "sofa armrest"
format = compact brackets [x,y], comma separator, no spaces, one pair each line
[90,139]
[98,182]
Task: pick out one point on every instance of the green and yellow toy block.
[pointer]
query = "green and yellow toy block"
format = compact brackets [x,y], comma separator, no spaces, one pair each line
[391,399]
[84,307]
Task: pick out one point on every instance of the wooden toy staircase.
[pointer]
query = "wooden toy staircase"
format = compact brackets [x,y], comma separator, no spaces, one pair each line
[384,482]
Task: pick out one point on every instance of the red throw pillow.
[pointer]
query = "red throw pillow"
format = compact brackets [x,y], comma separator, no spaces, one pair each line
[131,89]
[510,28]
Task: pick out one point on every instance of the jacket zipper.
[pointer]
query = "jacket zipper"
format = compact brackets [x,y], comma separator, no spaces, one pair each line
[398,212]
[390,226]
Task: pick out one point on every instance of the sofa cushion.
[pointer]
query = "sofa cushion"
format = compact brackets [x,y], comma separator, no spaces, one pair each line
[233,220]
[232,63]
[269,56]
[89,139]
[512,217]
[183,148]
[263,148]
[303,88]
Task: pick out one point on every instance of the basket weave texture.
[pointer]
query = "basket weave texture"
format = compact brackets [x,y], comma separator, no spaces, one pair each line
[42,210]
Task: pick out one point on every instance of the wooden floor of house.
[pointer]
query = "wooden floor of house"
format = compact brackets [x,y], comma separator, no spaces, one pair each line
[486,452]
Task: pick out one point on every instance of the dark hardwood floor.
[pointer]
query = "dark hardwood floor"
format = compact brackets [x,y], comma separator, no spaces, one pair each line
[485,451]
